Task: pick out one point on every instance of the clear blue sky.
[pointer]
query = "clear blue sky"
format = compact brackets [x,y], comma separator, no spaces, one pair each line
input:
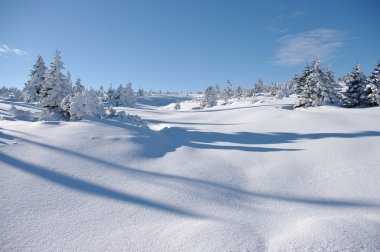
[186,45]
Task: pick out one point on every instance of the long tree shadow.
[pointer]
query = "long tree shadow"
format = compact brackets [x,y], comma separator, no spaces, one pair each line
[158,143]
[191,183]
[90,188]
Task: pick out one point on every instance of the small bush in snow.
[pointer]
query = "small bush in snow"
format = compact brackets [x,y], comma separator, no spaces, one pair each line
[177,106]
[75,107]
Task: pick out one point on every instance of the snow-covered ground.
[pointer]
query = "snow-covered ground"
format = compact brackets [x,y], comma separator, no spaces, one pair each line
[247,176]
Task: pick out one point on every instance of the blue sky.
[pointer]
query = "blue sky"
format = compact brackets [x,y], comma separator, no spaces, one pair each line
[186,45]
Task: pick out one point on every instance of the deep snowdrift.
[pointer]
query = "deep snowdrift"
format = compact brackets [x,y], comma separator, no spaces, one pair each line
[246,176]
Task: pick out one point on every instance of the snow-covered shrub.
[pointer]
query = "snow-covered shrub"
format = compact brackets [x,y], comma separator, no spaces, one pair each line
[24,115]
[177,106]
[75,107]
[124,117]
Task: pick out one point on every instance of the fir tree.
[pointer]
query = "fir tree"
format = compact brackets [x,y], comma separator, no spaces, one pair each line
[239,92]
[228,92]
[354,93]
[54,89]
[78,88]
[210,98]
[32,89]
[372,89]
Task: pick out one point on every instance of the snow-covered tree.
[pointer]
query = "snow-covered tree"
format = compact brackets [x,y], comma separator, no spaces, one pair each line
[210,98]
[102,94]
[140,92]
[78,88]
[331,95]
[177,105]
[354,94]
[76,106]
[31,91]
[228,92]
[238,92]
[124,96]
[69,83]
[55,88]
[305,95]
[129,96]
[110,93]
[372,89]
[259,87]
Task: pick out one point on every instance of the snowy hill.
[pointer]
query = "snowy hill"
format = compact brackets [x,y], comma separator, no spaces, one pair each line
[252,175]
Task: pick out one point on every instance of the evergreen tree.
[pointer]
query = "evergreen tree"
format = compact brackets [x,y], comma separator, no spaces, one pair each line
[69,83]
[31,91]
[129,98]
[54,89]
[228,92]
[354,93]
[372,89]
[305,96]
[102,94]
[259,87]
[78,88]
[239,92]
[332,86]
[210,98]
[109,94]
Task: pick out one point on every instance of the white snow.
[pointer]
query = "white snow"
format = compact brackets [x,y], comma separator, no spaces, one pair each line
[252,175]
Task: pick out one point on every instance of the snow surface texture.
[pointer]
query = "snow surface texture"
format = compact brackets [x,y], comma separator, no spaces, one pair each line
[248,176]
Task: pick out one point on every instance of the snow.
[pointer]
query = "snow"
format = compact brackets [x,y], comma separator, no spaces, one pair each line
[251,175]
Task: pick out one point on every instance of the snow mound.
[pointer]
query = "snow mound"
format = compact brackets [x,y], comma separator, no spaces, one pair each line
[329,234]
[18,114]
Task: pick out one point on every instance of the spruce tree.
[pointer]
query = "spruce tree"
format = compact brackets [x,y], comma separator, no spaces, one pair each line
[228,92]
[354,93]
[304,90]
[78,88]
[372,89]
[32,89]
[210,98]
[54,89]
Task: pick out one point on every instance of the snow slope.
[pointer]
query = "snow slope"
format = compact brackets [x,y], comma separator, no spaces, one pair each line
[248,176]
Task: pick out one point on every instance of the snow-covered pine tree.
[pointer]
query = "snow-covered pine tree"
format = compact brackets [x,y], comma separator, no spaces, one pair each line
[228,92]
[31,91]
[354,93]
[304,98]
[140,92]
[372,89]
[109,94]
[259,87]
[78,88]
[102,94]
[54,89]
[210,98]
[318,81]
[332,87]
[129,95]
[69,84]
[238,92]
